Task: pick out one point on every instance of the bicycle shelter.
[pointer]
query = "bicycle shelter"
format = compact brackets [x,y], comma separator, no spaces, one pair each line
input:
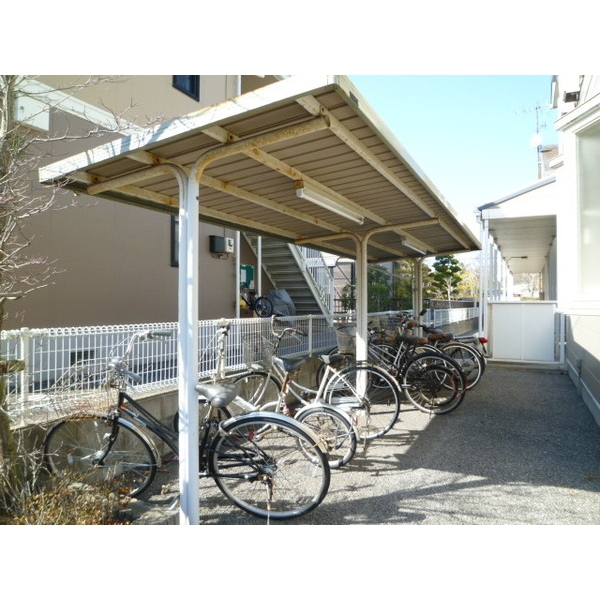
[305,160]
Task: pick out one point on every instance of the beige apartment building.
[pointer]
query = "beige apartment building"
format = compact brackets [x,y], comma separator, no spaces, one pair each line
[116,264]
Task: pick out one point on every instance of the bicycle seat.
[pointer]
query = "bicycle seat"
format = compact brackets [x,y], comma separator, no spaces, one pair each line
[440,337]
[333,359]
[217,394]
[289,365]
[411,340]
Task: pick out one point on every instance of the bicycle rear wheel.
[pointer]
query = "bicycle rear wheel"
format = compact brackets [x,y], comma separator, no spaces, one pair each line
[433,387]
[469,360]
[369,394]
[335,428]
[269,465]
[89,450]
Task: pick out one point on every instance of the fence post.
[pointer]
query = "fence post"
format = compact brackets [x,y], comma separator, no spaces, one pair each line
[310,334]
[24,349]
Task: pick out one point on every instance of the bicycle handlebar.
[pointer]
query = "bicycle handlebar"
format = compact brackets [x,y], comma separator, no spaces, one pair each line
[119,364]
[290,330]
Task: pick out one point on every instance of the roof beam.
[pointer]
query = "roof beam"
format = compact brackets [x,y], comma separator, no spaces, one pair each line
[458,237]
[259,155]
[314,107]
[223,186]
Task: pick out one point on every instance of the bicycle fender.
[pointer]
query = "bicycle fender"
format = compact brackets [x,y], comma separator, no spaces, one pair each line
[274,418]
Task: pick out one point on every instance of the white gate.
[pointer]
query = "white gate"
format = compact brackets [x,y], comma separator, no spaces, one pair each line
[526,331]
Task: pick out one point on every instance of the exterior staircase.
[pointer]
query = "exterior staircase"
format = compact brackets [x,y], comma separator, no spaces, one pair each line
[301,272]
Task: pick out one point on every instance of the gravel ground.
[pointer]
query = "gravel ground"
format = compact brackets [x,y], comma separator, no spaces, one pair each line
[521,449]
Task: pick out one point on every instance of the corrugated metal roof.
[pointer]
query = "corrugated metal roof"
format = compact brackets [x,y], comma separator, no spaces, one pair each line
[255,147]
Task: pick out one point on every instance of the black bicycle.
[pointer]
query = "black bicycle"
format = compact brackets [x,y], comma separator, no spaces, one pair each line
[267,464]
[261,305]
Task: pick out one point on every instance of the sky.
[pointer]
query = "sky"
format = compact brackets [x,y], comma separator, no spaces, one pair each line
[470,134]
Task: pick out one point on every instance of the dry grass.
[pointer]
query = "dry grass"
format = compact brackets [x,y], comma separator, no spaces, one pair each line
[29,497]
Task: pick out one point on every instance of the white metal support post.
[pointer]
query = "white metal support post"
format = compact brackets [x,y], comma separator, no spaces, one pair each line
[189,213]
[237,274]
[362,298]
[484,273]
[258,274]
[417,292]
[188,352]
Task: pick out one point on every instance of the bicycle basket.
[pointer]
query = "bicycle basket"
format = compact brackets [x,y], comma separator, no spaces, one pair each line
[389,324]
[346,339]
[82,390]
[386,330]
[258,351]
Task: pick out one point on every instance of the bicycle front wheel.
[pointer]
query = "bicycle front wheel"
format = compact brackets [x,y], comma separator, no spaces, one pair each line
[90,450]
[269,465]
[258,388]
[369,394]
[335,428]
[263,307]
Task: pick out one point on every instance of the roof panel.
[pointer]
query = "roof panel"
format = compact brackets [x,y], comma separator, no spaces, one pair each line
[315,129]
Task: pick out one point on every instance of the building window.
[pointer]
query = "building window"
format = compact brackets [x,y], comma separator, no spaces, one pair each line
[174,241]
[188,84]
[589,212]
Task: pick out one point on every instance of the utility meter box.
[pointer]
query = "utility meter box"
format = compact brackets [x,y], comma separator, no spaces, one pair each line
[220,244]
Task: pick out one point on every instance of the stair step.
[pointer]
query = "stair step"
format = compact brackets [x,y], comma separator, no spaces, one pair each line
[285,273]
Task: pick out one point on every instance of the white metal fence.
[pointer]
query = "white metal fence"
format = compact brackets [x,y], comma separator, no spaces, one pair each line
[447,316]
[50,353]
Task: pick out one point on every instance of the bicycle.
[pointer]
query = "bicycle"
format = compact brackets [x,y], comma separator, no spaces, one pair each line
[261,305]
[429,379]
[266,464]
[367,393]
[464,350]
[330,424]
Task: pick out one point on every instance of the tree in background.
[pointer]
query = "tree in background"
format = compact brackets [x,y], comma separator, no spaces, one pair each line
[531,283]
[20,273]
[447,275]
[429,290]
[469,284]
[23,149]
[387,289]
[348,297]
[379,290]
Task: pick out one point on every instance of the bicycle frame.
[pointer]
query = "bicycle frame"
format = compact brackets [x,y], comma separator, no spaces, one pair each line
[249,300]
[251,447]
[131,410]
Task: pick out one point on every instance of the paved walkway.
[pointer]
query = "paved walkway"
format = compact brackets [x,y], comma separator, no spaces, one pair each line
[521,449]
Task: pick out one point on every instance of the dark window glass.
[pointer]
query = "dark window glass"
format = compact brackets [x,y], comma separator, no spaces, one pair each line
[188,84]
[174,241]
